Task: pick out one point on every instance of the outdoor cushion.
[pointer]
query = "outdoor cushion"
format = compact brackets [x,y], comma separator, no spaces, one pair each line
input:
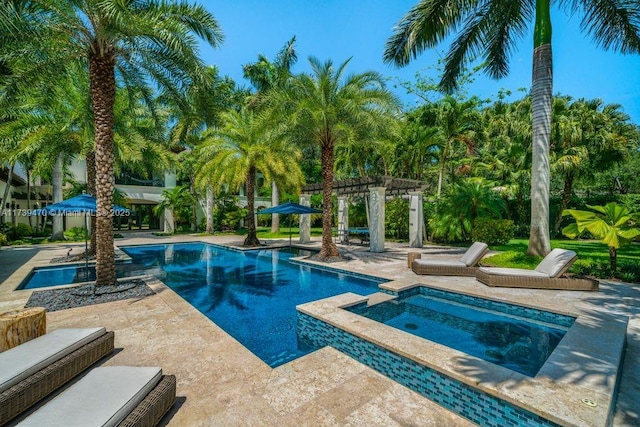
[472,256]
[440,262]
[104,397]
[512,272]
[28,358]
[556,262]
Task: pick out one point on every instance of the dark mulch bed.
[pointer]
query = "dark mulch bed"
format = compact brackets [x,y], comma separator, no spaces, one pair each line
[80,296]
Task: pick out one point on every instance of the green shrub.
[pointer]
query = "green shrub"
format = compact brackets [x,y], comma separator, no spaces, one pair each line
[3,239]
[75,233]
[397,219]
[493,231]
[20,230]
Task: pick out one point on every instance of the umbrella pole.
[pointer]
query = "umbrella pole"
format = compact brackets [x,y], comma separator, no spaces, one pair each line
[290,229]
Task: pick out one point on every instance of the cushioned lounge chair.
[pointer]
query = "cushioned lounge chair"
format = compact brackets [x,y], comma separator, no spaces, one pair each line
[465,266]
[31,371]
[110,396]
[547,274]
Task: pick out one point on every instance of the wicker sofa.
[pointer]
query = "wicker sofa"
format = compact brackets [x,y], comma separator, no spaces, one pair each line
[33,370]
[465,266]
[547,275]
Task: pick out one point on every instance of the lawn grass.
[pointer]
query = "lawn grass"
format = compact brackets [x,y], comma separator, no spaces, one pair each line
[514,254]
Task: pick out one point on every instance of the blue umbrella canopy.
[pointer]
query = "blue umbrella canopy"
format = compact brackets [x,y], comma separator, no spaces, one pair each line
[290,208]
[84,203]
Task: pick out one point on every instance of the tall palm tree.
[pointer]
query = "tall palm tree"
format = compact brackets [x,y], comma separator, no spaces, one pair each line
[234,154]
[489,29]
[266,75]
[327,107]
[126,41]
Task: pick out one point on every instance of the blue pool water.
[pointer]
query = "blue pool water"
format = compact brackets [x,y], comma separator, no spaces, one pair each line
[252,295]
[506,338]
[43,277]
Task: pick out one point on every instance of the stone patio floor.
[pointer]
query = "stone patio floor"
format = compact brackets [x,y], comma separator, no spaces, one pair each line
[222,383]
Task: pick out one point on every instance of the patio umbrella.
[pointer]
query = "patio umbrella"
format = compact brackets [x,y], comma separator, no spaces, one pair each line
[84,203]
[290,208]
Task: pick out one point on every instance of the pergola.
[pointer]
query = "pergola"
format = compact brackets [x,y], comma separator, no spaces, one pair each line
[377,188]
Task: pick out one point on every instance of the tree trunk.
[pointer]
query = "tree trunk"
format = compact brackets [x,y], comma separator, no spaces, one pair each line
[252,239]
[329,248]
[194,213]
[91,189]
[7,189]
[103,85]
[541,99]
[209,209]
[566,198]
[56,181]
[29,196]
[613,260]
[275,201]
[443,160]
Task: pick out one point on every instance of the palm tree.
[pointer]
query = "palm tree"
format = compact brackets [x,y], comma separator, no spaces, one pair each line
[265,75]
[615,225]
[245,145]
[328,107]
[489,28]
[129,42]
[590,136]
[180,201]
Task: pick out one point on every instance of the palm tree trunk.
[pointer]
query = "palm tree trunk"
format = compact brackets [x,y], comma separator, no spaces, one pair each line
[443,161]
[103,85]
[566,198]
[7,188]
[91,189]
[329,248]
[209,209]
[541,99]
[275,201]
[613,252]
[56,181]
[252,238]
[29,195]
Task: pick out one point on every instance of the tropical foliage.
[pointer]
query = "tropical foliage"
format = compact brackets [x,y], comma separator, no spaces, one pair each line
[615,225]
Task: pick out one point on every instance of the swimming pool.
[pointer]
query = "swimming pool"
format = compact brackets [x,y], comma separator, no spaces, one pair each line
[505,335]
[252,295]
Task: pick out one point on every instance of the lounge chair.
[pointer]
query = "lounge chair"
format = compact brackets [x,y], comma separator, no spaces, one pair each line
[110,396]
[31,371]
[547,274]
[465,266]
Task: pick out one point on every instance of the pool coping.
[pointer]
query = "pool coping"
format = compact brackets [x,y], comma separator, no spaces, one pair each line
[586,364]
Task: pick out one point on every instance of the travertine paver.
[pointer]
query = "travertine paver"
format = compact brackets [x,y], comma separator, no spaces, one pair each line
[222,383]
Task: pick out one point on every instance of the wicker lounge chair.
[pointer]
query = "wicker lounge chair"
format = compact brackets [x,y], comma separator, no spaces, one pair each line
[547,275]
[110,396]
[465,266]
[31,371]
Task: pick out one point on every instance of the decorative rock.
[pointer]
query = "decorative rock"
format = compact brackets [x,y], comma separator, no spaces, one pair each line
[411,256]
[20,326]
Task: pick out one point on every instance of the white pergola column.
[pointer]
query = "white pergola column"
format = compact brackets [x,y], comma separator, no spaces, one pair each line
[376,226]
[305,220]
[343,218]
[416,214]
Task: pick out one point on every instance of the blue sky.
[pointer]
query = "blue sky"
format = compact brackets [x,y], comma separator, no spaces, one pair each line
[339,29]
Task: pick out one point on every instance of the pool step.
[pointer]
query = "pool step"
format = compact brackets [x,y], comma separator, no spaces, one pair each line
[378,298]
